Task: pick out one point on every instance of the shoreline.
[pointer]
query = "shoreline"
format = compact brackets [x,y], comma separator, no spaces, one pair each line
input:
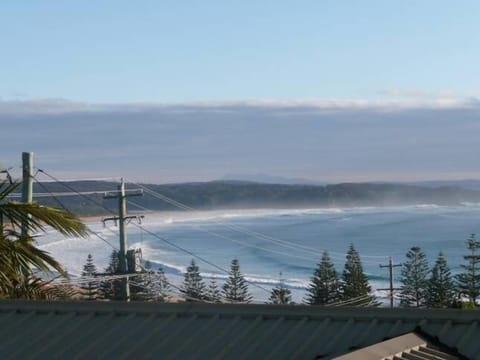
[237,212]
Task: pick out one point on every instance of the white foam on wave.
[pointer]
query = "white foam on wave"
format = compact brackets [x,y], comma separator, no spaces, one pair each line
[167,219]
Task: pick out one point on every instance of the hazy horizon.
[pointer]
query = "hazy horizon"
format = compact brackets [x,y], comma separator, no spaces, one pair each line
[327,141]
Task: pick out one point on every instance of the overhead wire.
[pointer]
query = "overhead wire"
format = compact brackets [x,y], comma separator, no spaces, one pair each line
[67,186]
[234,227]
[193,254]
[90,231]
[246,244]
[245,230]
[185,207]
[155,235]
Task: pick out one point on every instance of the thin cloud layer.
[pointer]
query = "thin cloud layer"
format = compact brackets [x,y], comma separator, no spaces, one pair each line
[330,140]
[403,99]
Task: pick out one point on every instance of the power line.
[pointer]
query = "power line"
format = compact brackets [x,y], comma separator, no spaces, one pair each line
[90,231]
[98,203]
[155,235]
[51,194]
[194,255]
[185,207]
[231,226]
[247,231]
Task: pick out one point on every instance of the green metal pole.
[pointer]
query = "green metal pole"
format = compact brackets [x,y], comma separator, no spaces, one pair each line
[390,271]
[27,184]
[122,210]
[123,234]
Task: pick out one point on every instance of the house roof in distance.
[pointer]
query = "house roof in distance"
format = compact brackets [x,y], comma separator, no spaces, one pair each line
[82,330]
[408,346]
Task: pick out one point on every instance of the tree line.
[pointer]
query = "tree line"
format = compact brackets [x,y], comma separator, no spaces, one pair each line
[325,286]
[153,285]
[437,287]
[421,286]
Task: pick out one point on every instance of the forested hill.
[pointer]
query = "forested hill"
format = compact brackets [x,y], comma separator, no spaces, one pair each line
[236,194]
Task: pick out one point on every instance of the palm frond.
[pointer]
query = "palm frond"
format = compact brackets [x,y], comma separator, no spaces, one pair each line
[19,257]
[8,189]
[36,217]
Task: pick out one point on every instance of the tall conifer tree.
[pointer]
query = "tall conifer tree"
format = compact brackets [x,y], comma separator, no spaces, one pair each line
[469,280]
[414,279]
[111,289]
[142,286]
[324,287]
[162,286]
[354,284]
[193,286]
[441,291]
[213,292]
[280,295]
[235,289]
[90,288]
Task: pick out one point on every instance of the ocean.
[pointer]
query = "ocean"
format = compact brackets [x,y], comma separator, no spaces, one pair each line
[274,244]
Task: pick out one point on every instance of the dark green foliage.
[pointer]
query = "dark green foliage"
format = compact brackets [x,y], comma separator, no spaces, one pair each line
[161,286]
[324,287]
[213,292]
[193,286]
[355,288]
[89,287]
[114,264]
[142,286]
[111,289]
[235,289]
[89,268]
[414,290]
[469,280]
[280,295]
[441,291]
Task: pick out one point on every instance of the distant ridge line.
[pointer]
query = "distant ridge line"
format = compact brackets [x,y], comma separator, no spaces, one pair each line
[228,194]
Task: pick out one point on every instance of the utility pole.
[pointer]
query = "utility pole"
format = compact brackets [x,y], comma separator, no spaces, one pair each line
[27,184]
[122,219]
[390,271]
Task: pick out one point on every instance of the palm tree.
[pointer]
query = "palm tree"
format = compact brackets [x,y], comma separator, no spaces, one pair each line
[19,257]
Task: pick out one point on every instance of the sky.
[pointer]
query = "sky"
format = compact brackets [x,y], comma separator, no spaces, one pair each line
[196,90]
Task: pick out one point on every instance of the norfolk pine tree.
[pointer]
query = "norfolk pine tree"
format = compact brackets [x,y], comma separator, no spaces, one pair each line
[213,292]
[193,286]
[324,287]
[235,289]
[469,280]
[162,287]
[111,289]
[354,284]
[441,290]
[414,279]
[142,286]
[280,294]
[90,289]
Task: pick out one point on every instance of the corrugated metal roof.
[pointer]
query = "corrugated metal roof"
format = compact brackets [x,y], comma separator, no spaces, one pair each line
[81,330]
